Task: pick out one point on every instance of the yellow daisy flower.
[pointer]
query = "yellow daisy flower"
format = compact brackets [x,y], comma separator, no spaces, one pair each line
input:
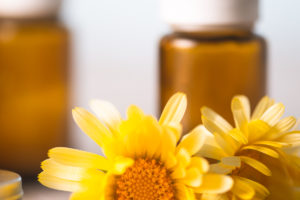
[232,150]
[144,158]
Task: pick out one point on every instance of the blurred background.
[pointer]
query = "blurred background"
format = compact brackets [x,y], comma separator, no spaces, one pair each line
[114,56]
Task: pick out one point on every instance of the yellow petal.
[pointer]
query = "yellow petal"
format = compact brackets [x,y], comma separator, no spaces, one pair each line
[168,145]
[256,165]
[209,151]
[169,160]
[193,177]
[134,113]
[227,143]
[215,123]
[63,171]
[261,107]
[62,177]
[137,139]
[274,144]
[291,138]
[214,183]
[232,161]
[210,138]
[238,136]
[178,172]
[77,158]
[193,141]
[174,109]
[107,113]
[264,150]
[70,173]
[183,157]
[273,114]
[286,124]
[257,130]
[128,141]
[184,192]
[281,127]
[240,107]
[150,137]
[59,184]
[297,125]
[121,164]
[91,126]
[169,140]
[175,128]
[200,163]
[242,189]
[223,139]
[220,168]
[261,192]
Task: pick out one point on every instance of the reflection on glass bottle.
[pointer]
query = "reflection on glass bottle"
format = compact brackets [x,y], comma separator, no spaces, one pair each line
[33,85]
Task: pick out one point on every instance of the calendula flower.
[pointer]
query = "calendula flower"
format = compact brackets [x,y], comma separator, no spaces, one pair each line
[231,148]
[144,158]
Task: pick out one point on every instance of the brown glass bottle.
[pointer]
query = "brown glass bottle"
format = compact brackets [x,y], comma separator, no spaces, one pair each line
[33,91]
[211,67]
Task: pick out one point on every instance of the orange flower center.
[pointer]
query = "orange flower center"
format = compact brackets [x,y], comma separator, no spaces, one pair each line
[147,179]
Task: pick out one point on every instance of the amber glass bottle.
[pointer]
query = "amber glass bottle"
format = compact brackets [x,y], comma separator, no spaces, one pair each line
[211,68]
[211,56]
[33,85]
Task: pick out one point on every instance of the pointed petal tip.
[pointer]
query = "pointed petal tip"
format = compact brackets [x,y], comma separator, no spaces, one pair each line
[238,96]
[266,97]
[76,110]
[203,109]
[280,104]
[180,94]
[239,100]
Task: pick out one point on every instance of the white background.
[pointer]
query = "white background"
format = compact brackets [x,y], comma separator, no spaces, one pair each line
[115,53]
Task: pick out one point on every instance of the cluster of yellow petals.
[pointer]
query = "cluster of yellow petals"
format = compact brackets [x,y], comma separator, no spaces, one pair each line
[235,150]
[144,158]
[147,159]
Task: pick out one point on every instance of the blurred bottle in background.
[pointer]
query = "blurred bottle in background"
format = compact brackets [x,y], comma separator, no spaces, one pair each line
[33,83]
[211,55]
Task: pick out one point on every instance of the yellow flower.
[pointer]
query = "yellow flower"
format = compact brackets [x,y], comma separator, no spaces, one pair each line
[144,158]
[232,150]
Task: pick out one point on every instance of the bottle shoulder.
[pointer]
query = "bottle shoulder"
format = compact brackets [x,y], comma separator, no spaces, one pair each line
[15,30]
[211,38]
[33,25]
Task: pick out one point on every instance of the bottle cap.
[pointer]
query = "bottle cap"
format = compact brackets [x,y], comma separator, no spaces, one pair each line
[10,185]
[28,8]
[210,13]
